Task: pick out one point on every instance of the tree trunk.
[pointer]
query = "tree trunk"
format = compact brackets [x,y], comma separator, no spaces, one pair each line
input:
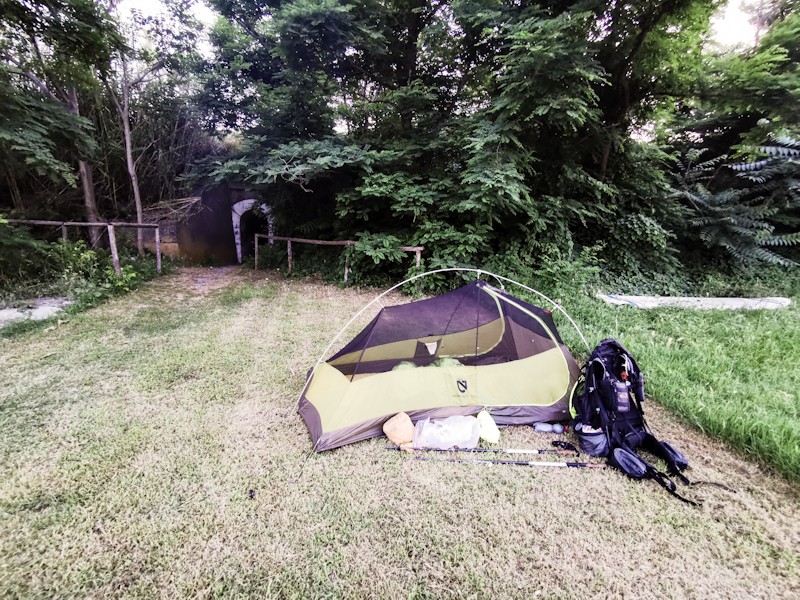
[92,215]
[126,129]
[87,181]
[410,54]
[15,195]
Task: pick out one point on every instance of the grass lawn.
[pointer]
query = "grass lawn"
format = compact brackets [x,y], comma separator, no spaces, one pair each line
[732,374]
[148,449]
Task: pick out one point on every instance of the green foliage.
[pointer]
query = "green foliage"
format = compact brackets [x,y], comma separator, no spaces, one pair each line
[641,242]
[32,131]
[741,98]
[379,247]
[548,73]
[489,132]
[62,59]
[19,251]
[30,267]
[327,262]
[477,130]
[742,221]
[494,185]
[76,33]
[739,220]
[49,50]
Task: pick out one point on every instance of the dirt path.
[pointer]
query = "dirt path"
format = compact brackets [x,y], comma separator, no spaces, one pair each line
[199,281]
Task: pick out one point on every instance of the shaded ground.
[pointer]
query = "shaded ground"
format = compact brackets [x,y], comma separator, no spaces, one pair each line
[134,435]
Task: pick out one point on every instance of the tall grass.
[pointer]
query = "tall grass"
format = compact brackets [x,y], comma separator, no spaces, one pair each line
[731,374]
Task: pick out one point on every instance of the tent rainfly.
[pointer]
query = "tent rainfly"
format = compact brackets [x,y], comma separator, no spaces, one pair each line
[453,354]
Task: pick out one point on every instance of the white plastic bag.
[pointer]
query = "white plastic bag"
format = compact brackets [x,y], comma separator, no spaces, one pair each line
[453,432]
[489,430]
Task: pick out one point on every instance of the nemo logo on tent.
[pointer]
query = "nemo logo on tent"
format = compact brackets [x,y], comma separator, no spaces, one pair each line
[462,385]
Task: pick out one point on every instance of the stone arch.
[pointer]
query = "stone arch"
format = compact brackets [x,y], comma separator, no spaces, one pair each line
[237,210]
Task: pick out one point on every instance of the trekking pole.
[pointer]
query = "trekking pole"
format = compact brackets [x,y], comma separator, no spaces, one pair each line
[568,452]
[512,462]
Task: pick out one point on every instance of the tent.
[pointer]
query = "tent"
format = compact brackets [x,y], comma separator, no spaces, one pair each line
[453,354]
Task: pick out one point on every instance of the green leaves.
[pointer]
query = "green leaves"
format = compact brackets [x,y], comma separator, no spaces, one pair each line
[296,162]
[33,134]
[548,72]
[743,221]
[379,247]
[477,129]
[640,242]
[494,185]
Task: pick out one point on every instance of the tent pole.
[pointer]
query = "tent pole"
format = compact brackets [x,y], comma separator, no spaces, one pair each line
[524,463]
[495,450]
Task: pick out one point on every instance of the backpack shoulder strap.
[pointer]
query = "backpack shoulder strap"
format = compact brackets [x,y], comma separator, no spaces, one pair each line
[634,466]
[676,461]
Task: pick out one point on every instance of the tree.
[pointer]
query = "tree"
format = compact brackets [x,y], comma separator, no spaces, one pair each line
[752,220]
[173,41]
[54,47]
[32,131]
[486,130]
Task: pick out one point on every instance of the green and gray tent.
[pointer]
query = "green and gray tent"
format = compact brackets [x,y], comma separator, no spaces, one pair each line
[453,354]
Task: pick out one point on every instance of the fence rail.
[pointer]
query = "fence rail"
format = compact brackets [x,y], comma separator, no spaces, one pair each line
[112,240]
[417,250]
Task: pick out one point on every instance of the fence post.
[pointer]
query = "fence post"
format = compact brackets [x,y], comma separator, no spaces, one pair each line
[289,250]
[256,238]
[158,249]
[112,241]
[63,232]
[419,252]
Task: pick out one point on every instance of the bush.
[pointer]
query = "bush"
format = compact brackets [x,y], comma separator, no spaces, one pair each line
[31,268]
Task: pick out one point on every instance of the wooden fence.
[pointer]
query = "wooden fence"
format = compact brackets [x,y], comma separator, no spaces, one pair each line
[415,249]
[112,240]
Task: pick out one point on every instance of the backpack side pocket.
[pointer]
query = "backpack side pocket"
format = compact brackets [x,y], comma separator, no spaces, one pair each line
[594,443]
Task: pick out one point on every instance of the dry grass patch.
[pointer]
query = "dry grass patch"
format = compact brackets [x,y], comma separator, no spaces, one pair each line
[150,452]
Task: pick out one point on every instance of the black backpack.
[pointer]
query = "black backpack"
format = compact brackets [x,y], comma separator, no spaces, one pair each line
[609,420]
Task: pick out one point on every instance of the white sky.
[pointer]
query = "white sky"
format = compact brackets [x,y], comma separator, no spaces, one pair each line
[154,7]
[730,26]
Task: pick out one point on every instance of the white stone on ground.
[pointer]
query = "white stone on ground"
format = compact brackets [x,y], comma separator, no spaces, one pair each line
[43,308]
[648,302]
